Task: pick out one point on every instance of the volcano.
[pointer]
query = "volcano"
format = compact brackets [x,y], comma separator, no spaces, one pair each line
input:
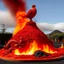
[28,42]
[23,45]
[32,37]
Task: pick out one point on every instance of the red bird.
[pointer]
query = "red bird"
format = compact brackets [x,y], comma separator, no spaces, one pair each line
[32,12]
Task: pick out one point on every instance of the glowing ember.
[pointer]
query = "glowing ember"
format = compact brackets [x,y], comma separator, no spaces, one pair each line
[62,46]
[21,21]
[48,50]
[34,47]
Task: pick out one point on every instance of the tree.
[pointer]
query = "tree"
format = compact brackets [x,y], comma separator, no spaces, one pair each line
[3,28]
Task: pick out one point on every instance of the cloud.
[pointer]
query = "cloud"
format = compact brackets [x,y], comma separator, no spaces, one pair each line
[9,21]
[45,26]
[51,27]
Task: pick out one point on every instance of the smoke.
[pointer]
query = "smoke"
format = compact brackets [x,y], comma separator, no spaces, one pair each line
[15,5]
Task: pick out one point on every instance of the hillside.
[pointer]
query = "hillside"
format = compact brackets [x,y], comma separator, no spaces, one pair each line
[55,34]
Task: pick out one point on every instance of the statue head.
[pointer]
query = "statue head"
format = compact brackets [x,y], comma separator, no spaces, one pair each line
[33,6]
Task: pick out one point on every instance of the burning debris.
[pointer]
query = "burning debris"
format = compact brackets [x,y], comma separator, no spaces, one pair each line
[39,53]
[28,41]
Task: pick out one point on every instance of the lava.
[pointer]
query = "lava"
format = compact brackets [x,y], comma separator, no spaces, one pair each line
[34,47]
[47,49]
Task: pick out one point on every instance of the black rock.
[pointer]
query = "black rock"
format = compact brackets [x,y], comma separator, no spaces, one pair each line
[39,53]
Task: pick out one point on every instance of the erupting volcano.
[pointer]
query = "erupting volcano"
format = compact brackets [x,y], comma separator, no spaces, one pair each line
[28,41]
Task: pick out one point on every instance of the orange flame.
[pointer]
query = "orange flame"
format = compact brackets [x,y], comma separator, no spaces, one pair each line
[47,49]
[34,47]
[62,46]
[21,21]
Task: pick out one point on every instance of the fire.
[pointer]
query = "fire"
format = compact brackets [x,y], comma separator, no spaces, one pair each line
[34,47]
[62,46]
[21,21]
[47,49]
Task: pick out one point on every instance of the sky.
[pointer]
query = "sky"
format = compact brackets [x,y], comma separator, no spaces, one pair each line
[50,14]
[50,11]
